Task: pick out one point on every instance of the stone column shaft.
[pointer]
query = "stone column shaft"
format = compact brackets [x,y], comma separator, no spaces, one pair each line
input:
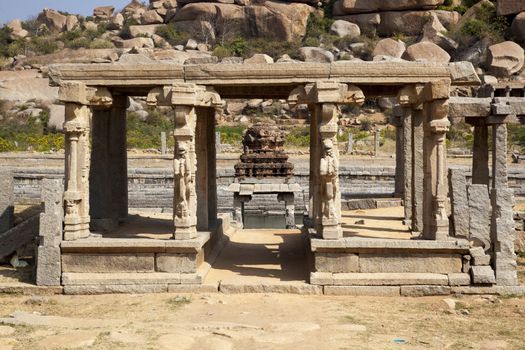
[206,185]
[78,152]
[7,201]
[184,166]
[417,171]
[400,163]
[408,161]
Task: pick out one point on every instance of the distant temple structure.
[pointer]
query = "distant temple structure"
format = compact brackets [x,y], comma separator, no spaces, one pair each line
[264,169]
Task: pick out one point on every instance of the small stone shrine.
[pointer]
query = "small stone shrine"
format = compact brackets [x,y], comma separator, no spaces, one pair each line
[264,169]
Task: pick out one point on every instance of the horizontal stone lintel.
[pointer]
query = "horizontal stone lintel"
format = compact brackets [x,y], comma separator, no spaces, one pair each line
[356,245]
[224,75]
[135,245]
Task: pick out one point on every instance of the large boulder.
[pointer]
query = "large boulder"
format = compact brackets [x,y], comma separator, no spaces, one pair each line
[343,7]
[343,28]
[449,19]
[116,22]
[148,30]
[391,22]
[518,27]
[389,47]
[282,21]
[510,7]
[426,51]
[435,32]
[315,54]
[505,59]
[151,17]
[17,31]
[103,12]
[134,9]
[135,43]
[71,23]
[54,20]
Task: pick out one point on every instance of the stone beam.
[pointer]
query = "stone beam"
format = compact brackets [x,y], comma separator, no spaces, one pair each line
[326,91]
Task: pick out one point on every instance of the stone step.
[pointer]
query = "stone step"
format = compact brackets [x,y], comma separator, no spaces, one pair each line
[130,278]
[291,287]
[378,279]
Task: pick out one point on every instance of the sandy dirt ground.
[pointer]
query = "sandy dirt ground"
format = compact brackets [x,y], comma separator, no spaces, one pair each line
[260,321]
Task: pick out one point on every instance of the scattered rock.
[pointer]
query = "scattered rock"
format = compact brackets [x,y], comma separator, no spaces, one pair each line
[518,27]
[315,54]
[90,25]
[116,22]
[202,47]
[134,9]
[342,7]
[482,275]
[389,47]
[148,30]
[135,42]
[505,59]
[151,17]
[434,32]
[103,12]
[509,7]
[259,58]
[343,28]
[191,44]
[451,303]
[17,31]
[232,60]
[55,21]
[426,51]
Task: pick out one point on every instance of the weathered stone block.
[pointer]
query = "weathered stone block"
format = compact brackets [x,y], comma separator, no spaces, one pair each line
[101,263]
[334,262]
[479,209]
[183,263]
[421,291]
[389,279]
[120,278]
[115,288]
[479,258]
[459,202]
[482,275]
[421,263]
[48,270]
[379,291]
[458,279]
[6,201]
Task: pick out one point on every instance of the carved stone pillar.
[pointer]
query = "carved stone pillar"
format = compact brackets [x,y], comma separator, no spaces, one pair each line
[76,195]
[407,159]
[436,124]
[184,168]
[330,194]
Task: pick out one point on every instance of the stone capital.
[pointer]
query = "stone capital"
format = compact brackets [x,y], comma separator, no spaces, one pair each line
[410,96]
[437,90]
[333,92]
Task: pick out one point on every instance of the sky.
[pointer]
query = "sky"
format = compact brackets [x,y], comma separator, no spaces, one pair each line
[24,9]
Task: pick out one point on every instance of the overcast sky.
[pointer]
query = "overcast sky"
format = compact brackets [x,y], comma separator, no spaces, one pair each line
[24,9]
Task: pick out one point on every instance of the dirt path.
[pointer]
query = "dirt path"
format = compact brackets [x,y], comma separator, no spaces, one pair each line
[271,321]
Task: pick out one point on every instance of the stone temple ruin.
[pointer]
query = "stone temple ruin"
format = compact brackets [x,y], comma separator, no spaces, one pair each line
[465,248]
[264,169]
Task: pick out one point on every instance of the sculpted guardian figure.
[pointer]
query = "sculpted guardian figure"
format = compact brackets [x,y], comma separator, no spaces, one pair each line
[328,171]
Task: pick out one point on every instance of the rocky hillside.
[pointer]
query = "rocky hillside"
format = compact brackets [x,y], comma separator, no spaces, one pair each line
[485,33]
[480,39]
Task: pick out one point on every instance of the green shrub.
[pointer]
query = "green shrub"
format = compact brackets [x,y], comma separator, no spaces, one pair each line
[299,137]
[101,44]
[231,135]
[237,46]
[221,52]
[78,43]
[172,35]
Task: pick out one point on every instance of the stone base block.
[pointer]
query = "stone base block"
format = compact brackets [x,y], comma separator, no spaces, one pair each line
[383,291]
[459,279]
[413,263]
[378,279]
[482,275]
[182,263]
[421,291]
[333,262]
[115,288]
[122,278]
[104,263]
[233,287]
[48,270]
